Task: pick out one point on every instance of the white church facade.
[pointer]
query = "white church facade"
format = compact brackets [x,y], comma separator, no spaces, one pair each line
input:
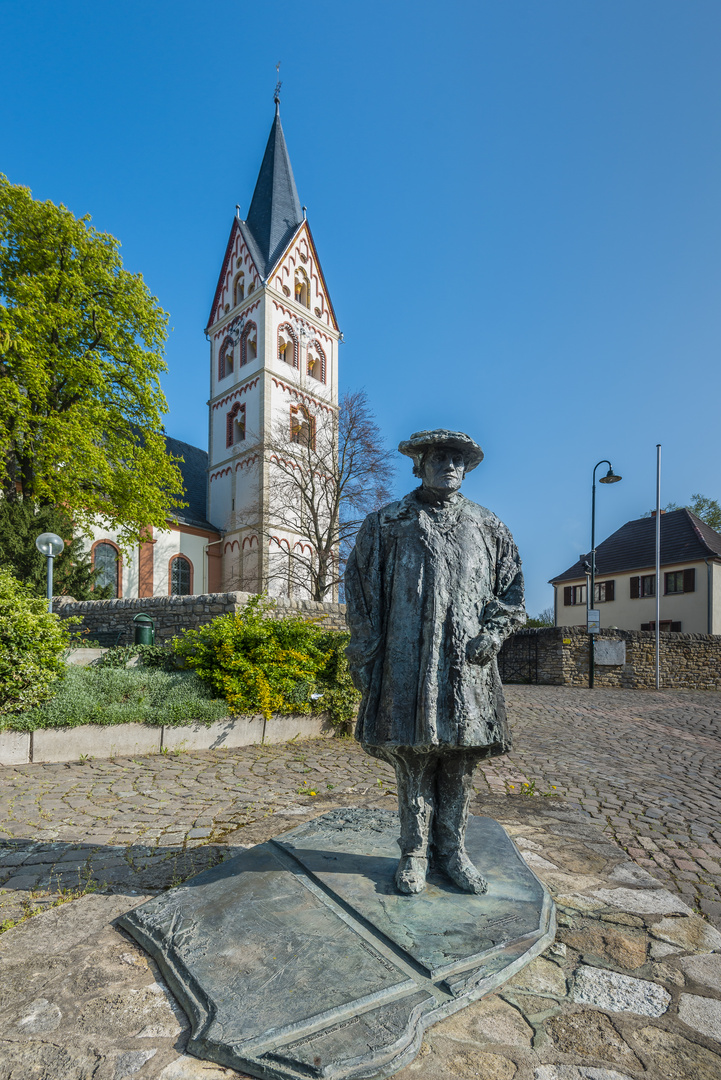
[273,340]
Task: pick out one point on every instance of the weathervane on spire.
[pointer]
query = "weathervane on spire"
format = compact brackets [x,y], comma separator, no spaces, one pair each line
[276,95]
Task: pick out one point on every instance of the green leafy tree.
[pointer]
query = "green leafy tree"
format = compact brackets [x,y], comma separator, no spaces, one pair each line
[544,618]
[707,509]
[21,522]
[31,645]
[81,352]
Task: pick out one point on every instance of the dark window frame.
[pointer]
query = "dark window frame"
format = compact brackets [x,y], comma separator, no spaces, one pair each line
[176,569]
[98,546]
[642,586]
[607,588]
[574,595]
[685,578]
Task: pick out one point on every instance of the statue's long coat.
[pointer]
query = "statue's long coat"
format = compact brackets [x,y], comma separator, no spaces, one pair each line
[421,583]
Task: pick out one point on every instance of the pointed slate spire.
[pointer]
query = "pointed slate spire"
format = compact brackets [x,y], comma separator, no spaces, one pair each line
[275,212]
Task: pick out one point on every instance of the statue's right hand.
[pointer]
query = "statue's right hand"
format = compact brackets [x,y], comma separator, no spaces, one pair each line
[481,649]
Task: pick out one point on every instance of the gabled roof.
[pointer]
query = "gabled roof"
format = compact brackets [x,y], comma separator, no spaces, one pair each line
[275,212]
[274,221]
[221,278]
[684,538]
[194,468]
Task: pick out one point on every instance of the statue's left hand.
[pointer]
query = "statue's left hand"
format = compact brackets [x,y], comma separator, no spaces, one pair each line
[481,649]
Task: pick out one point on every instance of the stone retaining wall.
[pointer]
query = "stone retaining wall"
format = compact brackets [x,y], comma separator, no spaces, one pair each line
[624,658]
[125,740]
[173,614]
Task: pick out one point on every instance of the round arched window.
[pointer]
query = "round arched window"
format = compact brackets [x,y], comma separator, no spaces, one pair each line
[105,562]
[180,577]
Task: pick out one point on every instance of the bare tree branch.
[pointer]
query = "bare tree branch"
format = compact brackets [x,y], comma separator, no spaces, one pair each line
[326,476]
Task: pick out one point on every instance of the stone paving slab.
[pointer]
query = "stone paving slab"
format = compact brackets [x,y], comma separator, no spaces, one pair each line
[629,768]
[619,996]
[643,765]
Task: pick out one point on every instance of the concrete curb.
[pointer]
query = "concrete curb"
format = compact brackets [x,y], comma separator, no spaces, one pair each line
[124,740]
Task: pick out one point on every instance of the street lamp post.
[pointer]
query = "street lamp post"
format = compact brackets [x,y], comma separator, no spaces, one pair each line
[609,478]
[50,545]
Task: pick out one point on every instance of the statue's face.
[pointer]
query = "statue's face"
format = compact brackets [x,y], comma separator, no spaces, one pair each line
[443,469]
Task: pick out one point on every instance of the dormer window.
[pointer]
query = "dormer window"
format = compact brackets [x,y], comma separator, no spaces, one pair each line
[239,289]
[302,288]
[287,345]
[249,344]
[225,358]
[302,427]
[316,362]
[235,425]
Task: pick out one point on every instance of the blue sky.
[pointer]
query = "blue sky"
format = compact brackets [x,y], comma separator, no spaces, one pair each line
[516,205]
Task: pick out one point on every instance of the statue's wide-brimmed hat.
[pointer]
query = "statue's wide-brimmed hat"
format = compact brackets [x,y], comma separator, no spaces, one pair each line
[422,441]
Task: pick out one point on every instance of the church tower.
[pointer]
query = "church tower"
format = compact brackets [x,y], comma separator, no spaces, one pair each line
[273,362]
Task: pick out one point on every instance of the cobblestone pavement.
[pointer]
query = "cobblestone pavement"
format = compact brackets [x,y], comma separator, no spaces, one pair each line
[643,765]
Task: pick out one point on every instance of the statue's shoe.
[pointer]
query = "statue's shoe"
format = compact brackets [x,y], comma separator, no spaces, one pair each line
[462,872]
[411,874]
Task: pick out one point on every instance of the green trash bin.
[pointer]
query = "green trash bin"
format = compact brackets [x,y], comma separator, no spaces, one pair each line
[144,629]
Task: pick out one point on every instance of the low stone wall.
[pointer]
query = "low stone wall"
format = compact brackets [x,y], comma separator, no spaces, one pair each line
[126,740]
[173,614]
[624,658]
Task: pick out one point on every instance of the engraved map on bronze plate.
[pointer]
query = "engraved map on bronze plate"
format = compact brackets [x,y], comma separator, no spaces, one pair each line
[298,958]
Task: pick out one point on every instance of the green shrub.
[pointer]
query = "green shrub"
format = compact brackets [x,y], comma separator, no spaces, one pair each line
[153,656]
[32,642]
[103,695]
[264,665]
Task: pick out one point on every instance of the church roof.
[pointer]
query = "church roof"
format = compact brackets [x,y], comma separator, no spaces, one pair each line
[684,538]
[275,212]
[194,469]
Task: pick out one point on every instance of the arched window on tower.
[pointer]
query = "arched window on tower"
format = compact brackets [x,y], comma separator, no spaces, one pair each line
[181,576]
[316,362]
[239,288]
[302,288]
[302,426]
[106,565]
[287,345]
[248,344]
[225,358]
[235,425]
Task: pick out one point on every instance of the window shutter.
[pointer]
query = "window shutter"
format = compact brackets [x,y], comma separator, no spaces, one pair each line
[567,596]
[675,627]
[689,580]
[610,590]
[635,588]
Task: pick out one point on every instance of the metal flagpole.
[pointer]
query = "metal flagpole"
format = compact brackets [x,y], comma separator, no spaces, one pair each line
[658,563]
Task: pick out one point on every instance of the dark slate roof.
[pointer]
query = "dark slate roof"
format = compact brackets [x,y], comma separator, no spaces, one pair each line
[275,212]
[194,468]
[684,538]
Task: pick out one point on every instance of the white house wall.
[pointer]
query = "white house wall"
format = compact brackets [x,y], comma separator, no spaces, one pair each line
[168,542]
[716,598]
[173,542]
[128,577]
[690,609]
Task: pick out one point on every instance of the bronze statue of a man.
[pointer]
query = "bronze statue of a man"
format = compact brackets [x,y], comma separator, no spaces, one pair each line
[433,587]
